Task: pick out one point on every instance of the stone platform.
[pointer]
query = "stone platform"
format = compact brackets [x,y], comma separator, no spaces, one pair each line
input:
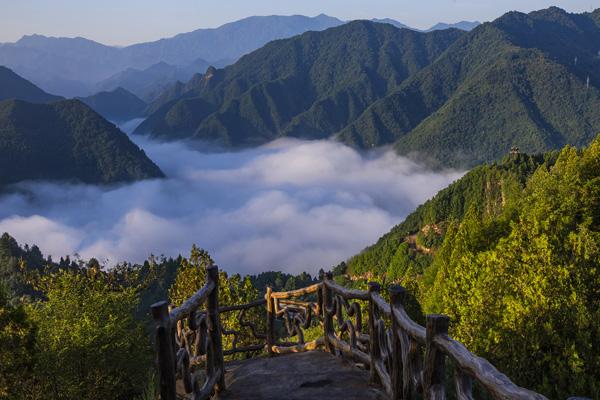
[301,376]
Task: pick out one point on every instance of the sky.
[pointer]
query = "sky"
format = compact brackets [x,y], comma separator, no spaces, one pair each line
[122,22]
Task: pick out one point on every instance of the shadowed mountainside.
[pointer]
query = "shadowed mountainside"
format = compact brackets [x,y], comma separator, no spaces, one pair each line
[66,140]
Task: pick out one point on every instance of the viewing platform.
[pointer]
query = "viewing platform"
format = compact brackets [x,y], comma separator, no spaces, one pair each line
[368,348]
[299,376]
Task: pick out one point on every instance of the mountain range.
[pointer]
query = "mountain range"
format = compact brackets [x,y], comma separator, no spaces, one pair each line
[458,98]
[151,82]
[308,86]
[79,67]
[76,66]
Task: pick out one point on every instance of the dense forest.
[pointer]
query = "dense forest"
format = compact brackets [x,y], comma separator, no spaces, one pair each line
[511,253]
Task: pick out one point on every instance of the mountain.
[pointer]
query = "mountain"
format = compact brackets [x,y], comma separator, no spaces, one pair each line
[118,105]
[150,83]
[66,140]
[531,81]
[449,98]
[12,86]
[462,25]
[308,86]
[393,22]
[75,66]
[67,66]
[228,42]
[508,248]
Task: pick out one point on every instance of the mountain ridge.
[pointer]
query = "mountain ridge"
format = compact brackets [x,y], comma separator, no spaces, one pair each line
[371,59]
[525,80]
[493,68]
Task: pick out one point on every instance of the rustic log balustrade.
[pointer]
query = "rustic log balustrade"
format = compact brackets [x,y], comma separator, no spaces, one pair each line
[402,356]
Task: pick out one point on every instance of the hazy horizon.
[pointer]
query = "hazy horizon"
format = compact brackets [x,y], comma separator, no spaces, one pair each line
[155,19]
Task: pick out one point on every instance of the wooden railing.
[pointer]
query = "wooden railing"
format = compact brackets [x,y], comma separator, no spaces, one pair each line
[402,356]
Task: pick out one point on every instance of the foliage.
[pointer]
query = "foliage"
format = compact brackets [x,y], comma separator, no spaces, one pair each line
[89,345]
[17,336]
[516,268]
[280,281]
[529,301]
[233,290]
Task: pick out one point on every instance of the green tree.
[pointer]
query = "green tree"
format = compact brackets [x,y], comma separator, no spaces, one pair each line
[17,339]
[191,276]
[88,345]
[526,294]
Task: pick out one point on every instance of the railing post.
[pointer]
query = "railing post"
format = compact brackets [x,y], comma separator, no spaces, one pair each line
[165,351]
[375,351]
[435,360]
[270,320]
[463,384]
[214,325]
[327,317]
[397,295]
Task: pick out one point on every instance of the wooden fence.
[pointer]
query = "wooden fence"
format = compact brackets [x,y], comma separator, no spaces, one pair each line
[402,356]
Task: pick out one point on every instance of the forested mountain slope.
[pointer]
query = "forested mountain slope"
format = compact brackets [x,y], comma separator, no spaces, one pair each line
[511,252]
[527,80]
[68,141]
[308,86]
[451,98]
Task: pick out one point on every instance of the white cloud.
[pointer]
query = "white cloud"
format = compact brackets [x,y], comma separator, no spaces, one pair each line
[290,205]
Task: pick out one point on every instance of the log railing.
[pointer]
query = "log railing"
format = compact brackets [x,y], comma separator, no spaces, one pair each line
[184,335]
[406,359]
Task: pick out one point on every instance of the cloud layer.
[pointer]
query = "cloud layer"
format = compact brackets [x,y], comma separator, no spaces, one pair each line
[290,205]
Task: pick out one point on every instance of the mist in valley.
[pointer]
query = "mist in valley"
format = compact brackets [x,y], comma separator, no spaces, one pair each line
[290,205]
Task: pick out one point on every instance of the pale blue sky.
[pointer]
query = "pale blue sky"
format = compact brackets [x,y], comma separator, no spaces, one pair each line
[129,21]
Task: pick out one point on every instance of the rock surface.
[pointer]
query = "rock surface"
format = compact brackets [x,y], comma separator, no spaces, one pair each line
[312,375]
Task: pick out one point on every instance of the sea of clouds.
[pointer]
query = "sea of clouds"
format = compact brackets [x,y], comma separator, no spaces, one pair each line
[290,205]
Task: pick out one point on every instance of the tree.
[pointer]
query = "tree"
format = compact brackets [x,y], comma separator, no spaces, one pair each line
[191,276]
[88,345]
[17,338]
[526,294]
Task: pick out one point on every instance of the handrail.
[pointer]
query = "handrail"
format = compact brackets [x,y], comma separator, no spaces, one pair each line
[401,355]
[192,303]
[173,350]
[347,293]
[495,382]
[297,293]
